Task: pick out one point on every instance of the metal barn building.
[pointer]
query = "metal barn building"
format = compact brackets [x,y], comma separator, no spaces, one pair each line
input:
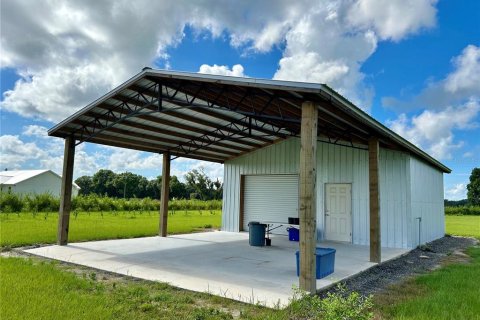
[289,149]
[33,182]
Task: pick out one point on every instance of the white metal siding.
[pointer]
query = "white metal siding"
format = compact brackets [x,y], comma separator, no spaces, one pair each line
[335,164]
[270,198]
[280,158]
[427,201]
[338,164]
[46,182]
[394,206]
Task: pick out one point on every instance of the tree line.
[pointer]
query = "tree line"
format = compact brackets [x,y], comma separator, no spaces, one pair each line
[128,185]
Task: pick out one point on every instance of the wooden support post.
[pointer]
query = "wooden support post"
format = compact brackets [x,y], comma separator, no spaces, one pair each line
[375,235]
[165,194]
[66,192]
[307,197]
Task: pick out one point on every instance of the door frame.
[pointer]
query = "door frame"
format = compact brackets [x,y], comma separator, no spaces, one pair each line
[325,210]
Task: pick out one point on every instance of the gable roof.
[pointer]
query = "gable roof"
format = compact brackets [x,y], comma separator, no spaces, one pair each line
[217,118]
[13,177]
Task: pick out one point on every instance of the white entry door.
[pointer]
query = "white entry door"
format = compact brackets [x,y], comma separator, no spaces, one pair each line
[338,212]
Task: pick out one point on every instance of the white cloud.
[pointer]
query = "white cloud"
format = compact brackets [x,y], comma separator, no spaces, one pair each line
[393,19]
[433,130]
[461,84]
[121,160]
[466,77]
[322,48]
[457,192]
[77,51]
[35,131]
[236,71]
[181,166]
[15,152]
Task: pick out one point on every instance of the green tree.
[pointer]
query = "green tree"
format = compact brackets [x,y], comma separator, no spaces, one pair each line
[130,185]
[199,184]
[473,194]
[218,189]
[153,188]
[86,185]
[178,190]
[103,183]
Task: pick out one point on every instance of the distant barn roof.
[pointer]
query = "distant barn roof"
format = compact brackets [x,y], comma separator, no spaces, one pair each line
[217,118]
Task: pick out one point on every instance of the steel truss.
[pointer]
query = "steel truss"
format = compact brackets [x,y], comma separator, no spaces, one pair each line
[157,96]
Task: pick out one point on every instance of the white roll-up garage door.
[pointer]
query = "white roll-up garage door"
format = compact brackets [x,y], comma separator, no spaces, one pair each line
[270,198]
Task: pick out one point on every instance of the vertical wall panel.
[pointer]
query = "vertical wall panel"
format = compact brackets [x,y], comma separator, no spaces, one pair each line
[426,201]
[394,207]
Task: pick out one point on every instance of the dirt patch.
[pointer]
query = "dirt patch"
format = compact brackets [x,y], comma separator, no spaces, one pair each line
[420,260]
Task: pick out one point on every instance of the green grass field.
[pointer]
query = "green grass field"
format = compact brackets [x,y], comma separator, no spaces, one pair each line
[26,228]
[32,289]
[449,293]
[463,226]
[35,289]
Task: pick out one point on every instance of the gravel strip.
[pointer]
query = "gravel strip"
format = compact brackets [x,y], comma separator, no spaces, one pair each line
[417,261]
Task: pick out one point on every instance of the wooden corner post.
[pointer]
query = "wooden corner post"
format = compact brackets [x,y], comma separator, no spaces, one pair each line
[165,194]
[374,190]
[307,197]
[66,192]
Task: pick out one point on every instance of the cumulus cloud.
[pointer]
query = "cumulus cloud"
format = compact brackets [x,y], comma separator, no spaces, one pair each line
[181,166]
[68,53]
[322,48]
[455,88]
[465,80]
[393,19]
[456,192]
[15,152]
[236,71]
[123,159]
[79,50]
[35,131]
[433,130]
[329,44]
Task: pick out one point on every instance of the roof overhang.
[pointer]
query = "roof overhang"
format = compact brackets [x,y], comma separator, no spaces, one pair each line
[217,118]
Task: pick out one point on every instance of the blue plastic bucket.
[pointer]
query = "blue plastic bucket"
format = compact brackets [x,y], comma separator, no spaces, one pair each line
[293,234]
[325,262]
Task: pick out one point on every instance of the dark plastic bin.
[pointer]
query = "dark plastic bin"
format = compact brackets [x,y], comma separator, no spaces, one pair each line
[325,262]
[293,234]
[293,220]
[256,232]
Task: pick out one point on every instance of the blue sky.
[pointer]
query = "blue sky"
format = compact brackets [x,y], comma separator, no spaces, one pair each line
[413,65]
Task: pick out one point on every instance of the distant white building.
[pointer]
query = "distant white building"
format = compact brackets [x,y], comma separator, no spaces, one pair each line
[33,181]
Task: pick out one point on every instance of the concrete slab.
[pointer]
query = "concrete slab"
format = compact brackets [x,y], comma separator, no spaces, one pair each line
[220,263]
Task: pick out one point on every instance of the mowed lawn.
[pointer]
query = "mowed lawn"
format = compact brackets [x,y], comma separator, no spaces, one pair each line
[463,226]
[36,289]
[27,228]
[451,292]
